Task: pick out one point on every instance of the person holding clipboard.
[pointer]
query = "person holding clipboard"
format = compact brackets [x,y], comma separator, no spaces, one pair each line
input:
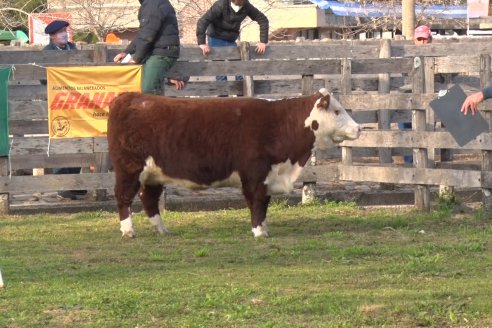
[472,101]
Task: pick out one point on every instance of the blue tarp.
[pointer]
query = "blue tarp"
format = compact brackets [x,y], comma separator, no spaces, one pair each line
[354,9]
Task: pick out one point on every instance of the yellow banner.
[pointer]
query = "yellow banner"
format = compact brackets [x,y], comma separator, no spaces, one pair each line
[79,97]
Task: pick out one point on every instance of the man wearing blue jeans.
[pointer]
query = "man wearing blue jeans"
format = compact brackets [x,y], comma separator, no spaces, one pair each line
[222,23]
[215,42]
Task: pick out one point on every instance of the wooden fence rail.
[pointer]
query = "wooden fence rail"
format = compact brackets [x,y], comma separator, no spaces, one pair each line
[367,78]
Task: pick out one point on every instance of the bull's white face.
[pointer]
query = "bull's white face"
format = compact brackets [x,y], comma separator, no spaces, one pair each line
[330,122]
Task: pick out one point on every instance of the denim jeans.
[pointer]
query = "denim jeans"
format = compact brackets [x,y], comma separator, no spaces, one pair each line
[214,42]
[154,73]
[406,126]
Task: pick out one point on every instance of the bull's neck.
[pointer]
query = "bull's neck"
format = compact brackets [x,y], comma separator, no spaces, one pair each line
[303,142]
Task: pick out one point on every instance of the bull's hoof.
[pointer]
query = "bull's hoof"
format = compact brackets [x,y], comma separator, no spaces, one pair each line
[126,228]
[128,234]
[158,225]
[260,231]
[161,230]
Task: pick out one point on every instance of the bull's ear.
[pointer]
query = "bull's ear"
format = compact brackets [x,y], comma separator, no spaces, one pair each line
[324,103]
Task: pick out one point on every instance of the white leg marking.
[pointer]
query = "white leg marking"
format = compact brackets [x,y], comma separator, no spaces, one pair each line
[261,230]
[126,228]
[157,224]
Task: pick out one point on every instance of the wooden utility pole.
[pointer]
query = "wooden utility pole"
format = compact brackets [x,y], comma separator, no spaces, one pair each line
[408,18]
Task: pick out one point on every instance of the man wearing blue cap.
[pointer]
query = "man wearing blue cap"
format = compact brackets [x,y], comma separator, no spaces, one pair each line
[57,30]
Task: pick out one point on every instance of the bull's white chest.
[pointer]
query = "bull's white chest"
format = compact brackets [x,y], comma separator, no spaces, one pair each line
[281,177]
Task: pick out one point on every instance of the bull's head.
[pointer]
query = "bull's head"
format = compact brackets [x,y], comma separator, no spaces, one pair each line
[330,122]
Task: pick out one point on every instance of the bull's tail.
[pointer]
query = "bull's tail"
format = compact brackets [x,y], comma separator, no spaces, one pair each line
[152,174]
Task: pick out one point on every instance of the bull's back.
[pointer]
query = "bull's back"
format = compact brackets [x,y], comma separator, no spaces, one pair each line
[199,134]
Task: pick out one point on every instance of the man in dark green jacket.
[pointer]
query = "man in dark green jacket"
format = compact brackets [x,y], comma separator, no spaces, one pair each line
[156,45]
[222,23]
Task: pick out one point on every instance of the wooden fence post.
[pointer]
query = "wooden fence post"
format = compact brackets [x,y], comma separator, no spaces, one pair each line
[4,203]
[248,84]
[422,192]
[103,162]
[4,198]
[384,115]
[346,88]
[446,155]
[384,88]
[485,65]
[308,187]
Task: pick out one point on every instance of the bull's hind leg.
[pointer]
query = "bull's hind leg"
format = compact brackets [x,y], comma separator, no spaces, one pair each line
[125,189]
[257,200]
[150,200]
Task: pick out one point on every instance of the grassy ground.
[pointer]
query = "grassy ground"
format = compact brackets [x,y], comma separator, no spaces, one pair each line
[324,266]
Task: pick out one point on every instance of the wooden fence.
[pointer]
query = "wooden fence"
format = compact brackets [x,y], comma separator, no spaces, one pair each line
[367,77]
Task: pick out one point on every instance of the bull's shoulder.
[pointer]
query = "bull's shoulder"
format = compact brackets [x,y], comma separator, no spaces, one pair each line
[123,100]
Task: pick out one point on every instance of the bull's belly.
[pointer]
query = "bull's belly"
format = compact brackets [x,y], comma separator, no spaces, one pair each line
[279,180]
[152,174]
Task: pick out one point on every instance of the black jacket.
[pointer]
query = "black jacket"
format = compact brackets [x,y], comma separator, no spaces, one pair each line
[158,34]
[224,23]
[52,46]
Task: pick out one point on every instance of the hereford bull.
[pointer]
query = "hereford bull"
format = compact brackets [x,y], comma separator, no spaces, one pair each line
[155,140]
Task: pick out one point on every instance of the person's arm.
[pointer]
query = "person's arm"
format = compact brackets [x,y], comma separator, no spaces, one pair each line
[212,14]
[149,28]
[178,81]
[262,21]
[471,102]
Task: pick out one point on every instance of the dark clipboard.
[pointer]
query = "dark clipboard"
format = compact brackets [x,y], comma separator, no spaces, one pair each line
[463,128]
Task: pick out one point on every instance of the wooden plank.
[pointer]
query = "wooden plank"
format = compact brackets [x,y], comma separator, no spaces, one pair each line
[381,101]
[21,162]
[270,67]
[378,66]
[453,64]
[327,66]
[317,50]
[27,92]
[417,139]
[413,176]
[54,182]
[320,173]
[80,57]
[28,109]
[39,146]
[18,127]
[446,48]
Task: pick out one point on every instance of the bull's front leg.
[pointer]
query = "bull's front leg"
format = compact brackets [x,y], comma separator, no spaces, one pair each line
[257,200]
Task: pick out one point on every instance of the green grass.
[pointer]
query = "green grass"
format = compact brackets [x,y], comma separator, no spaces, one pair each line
[325,265]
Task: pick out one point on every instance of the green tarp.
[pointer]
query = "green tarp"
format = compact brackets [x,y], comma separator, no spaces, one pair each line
[4,110]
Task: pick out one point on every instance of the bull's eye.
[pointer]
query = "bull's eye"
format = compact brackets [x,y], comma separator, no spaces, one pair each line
[337,112]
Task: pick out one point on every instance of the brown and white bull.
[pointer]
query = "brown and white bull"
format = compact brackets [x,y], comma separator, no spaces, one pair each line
[155,140]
